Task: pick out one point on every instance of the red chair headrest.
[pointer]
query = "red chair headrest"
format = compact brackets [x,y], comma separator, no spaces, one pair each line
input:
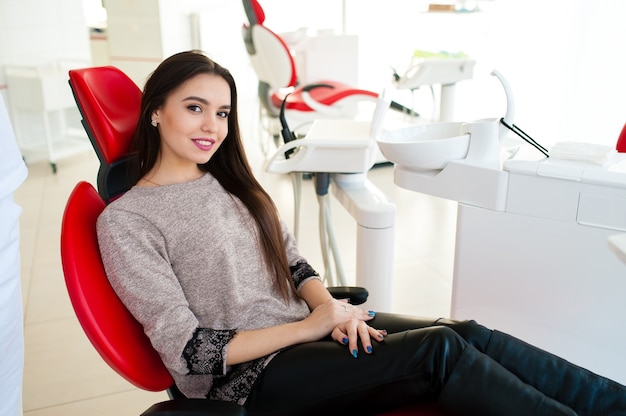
[112,330]
[110,103]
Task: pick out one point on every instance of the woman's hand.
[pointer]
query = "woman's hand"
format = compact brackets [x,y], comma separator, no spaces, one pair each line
[351,331]
[327,316]
[346,323]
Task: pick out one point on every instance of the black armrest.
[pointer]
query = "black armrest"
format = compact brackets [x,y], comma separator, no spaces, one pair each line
[356,295]
[195,407]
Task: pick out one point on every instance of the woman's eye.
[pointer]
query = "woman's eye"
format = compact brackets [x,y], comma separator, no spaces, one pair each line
[195,108]
[223,114]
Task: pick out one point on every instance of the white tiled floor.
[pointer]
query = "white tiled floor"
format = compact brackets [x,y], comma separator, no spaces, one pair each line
[63,373]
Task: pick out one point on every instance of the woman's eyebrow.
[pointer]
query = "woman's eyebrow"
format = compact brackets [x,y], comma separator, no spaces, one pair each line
[205,102]
[194,98]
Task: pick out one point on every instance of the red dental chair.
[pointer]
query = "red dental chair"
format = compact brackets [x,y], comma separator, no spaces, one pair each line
[275,68]
[109,103]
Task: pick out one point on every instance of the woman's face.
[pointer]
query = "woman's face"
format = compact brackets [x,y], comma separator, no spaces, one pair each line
[193,121]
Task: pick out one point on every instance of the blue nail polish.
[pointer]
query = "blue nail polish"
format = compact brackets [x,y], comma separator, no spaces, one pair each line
[371,313]
[369,349]
[354,353]
[345,340]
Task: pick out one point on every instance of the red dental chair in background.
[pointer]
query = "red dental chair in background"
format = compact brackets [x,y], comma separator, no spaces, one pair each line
[109,102]
[276,70]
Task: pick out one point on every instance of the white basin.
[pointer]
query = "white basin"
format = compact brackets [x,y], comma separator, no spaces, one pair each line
[425,147]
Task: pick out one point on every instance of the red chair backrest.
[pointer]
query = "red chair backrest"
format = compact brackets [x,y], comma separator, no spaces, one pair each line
[112,330]
[272,61]
[109,102]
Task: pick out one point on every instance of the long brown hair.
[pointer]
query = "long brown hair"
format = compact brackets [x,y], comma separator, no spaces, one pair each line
[229,165]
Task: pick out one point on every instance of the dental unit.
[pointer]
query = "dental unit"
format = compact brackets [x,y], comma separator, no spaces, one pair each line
[535,239]
[339,152]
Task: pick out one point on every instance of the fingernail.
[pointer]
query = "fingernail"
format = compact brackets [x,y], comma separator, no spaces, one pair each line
[369,349]
[371,313]
[354,353]
[345,340]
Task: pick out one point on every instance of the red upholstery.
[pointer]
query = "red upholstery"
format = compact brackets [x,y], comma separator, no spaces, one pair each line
[112,330]
[110,103]
[621,141]
[326,96]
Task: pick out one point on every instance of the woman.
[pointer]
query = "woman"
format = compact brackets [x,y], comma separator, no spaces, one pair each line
[198,254]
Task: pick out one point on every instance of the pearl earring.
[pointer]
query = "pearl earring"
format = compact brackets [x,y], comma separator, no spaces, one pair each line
[154,123]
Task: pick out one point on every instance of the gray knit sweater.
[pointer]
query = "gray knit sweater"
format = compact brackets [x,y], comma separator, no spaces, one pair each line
[185,260]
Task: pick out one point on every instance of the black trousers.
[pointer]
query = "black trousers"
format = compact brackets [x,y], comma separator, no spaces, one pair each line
[323,375]
[427,359]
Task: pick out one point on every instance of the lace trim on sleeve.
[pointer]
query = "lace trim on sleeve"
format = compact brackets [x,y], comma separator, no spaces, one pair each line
[236,386]
[204,353]
[300,272]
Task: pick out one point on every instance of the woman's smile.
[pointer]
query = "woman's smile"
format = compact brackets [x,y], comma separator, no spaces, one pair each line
[204,144]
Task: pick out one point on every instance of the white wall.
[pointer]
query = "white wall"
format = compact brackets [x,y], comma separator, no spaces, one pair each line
[141,33]
[33,32]
[40,30]
[562,60]
[50,35]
